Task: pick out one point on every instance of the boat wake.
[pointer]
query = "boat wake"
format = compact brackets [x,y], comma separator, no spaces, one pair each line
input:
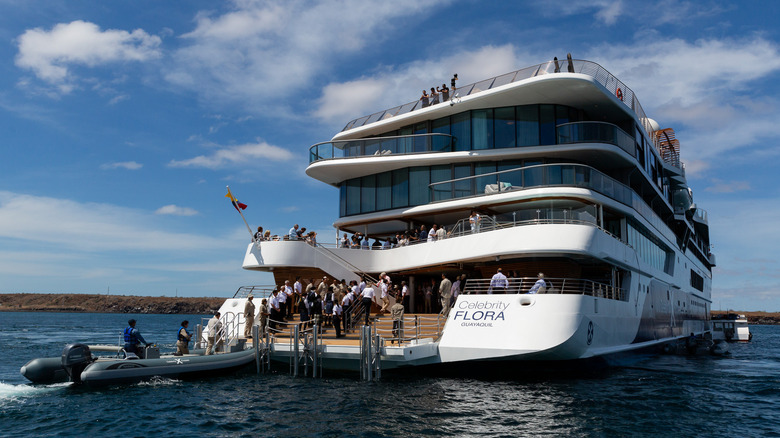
[159,381]
[15,392]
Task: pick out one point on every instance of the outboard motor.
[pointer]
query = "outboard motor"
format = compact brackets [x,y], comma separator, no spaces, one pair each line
[76,357]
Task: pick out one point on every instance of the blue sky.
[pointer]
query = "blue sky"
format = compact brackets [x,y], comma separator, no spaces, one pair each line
[121,123]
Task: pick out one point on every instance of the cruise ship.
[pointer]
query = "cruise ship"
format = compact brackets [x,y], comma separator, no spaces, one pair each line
[569,178]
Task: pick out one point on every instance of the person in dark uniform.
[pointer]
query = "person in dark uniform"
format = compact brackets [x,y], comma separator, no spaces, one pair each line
[183,339]
[133,339]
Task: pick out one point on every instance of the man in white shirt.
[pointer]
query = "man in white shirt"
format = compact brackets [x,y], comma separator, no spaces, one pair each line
[346,306]
[293,233]
[275,309]
[540,286]
[282,298]
[474,221]
[368,298]
[405,296]
[382,285]
[214,327]
[337,311]
[444,293]
[498,283]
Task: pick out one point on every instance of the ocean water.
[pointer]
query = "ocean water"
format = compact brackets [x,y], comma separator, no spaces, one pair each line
[653,395]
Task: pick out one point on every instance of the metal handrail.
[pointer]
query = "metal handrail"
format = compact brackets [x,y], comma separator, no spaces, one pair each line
[573,286]
[259,291]
[590,68]
[399,145]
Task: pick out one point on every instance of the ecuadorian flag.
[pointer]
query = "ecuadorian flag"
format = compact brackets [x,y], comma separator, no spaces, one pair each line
[235,202]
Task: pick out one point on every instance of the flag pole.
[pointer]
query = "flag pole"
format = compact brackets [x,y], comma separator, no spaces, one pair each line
[251,234]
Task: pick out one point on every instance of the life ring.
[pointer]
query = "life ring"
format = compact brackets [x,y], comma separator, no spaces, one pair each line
[619,94]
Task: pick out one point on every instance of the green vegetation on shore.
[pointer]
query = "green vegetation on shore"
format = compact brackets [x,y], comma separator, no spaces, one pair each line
[92,303]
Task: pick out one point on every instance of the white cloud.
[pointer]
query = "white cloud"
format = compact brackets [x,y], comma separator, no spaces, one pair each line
[236,155]
[356,98]
[51,54]
[63,223]
[261,51]
[720,186]
[175,210]
[609,12]
[129,165]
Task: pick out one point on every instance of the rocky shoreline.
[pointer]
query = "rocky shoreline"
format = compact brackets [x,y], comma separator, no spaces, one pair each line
[91,303]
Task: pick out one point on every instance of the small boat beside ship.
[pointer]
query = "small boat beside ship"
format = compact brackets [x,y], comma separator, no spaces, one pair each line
[731,327]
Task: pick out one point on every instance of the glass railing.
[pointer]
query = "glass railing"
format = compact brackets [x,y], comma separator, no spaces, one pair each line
[380,146]
[546,175]
[599,73]
[596,132]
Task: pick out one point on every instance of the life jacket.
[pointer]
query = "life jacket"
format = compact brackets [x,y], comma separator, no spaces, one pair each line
[180,337]
[130,337]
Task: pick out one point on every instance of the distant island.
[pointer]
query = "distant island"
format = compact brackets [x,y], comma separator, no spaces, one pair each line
[93,303]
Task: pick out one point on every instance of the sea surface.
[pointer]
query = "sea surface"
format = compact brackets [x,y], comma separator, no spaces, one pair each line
[649,395]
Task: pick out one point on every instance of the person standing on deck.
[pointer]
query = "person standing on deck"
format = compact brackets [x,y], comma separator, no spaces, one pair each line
[405,295]
[288,291]
[498,283]
[368,298]
[249,316]
[275,310]
[322,288]
[297,291]
[346,304]
[183,339]
[455,290]
[397,313]
[337,311]
[445,288]
[263,314]
[214,326]
[382,285]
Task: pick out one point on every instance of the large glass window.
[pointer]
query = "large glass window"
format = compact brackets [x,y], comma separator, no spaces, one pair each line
[405,144]
[482,129]
[400,188]
[461,130]
[504,119]
[368,194]
[353,196]
[483,182]
[343,199]
[383,191]
[421,143]
[547,124]
[462,188]
[535,176]
[419,178]
[528,125]
[441,173]
[441,126]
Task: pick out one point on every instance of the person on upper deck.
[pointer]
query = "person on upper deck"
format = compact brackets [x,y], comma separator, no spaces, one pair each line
[424,98]
[434,96]
[445,92]
[452,83]
[540,286]
[293,233]
[344,241]
[499,283]
[474,221]
[259,234]
[213,328]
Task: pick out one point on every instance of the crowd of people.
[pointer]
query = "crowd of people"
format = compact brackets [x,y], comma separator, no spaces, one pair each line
[439,95]
[295,233]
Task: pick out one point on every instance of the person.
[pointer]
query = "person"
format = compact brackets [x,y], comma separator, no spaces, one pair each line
[445,92]
[263,313]
[368,298]
[428,298]
[330,299]
[337,311]
[445,288]
[183,340]
[259,234]
[540,286]
[297,290]
[300,233]
[282,297]
[405,295]
[434,96]
[275,309]
[424,98]
[267,235]
[498,283]
[455,290]
[423,235]
[293,233]
[249,316]
[452,83]
[397,313]
[345,241]
[346,304]
[474,221]
[315,308]
[364,243]
[383,285]
[322,288]
[303,310]
[433,234]
[441,233]
[133,339]
[213,327]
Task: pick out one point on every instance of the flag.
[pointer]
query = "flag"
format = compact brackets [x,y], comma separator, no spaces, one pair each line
[235,202]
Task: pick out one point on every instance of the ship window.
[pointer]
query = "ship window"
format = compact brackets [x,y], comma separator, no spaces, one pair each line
[400,188]
[343,199]
[482,182]
[368,194]
[441,173]
[353,196]
[405,144]
[482,129]
[461,130]
[421,143]
[505,127]
[462,188]
[383,191]
[547,124]
[419,178]
[515,179]
[533,177]
[528,125]
[441,126]
[561,115]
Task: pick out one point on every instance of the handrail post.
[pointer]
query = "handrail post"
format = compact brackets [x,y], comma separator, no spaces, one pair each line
[295,333]
[256,342]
